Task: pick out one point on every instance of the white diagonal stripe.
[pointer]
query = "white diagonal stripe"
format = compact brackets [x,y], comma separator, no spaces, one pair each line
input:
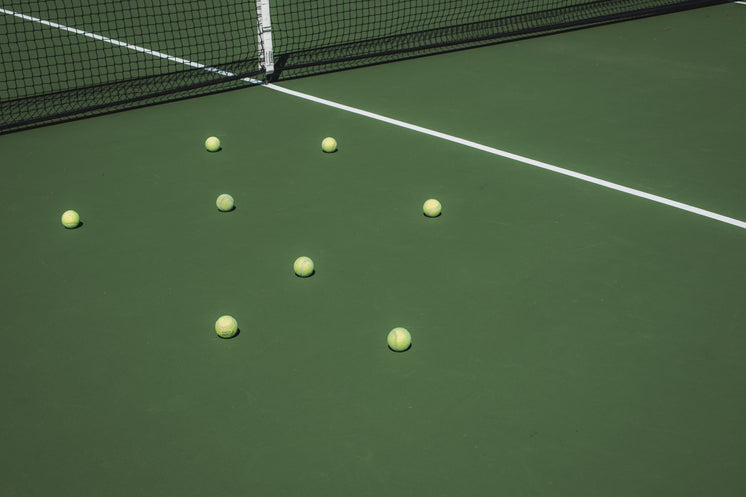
[402,124]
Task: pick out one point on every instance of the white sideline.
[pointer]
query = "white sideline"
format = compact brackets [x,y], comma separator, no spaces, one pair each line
[519,158]
[412,127]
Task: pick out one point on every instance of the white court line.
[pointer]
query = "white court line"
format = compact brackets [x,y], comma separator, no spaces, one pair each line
[116,42]
[742,3]
[519,158]
[402,124]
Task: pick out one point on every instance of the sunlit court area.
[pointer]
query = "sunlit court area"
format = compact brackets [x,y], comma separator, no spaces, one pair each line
[373,248]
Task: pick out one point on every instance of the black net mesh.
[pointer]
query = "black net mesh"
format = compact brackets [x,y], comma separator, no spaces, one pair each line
[63,60]
[54,68]
[328,35]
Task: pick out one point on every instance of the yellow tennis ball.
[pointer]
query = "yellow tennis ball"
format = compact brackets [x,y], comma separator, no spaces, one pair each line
[303,267]
[212,144]
[431,208]
[70,219]
[226,326]
[329,144]
[399,339]
[224,202]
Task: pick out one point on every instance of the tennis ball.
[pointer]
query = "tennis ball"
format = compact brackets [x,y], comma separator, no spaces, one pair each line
[431,208]
[70,219]
[224,202]
[226,327]
[303,267]
[329,144]
[399,339]
[212,144]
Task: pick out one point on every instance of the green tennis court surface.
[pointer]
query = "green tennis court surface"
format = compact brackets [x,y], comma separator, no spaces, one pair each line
[567,339]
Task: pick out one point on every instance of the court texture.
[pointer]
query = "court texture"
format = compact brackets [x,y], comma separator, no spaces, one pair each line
[577,310]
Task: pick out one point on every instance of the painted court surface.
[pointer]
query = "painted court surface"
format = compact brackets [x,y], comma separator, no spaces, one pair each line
[570,336]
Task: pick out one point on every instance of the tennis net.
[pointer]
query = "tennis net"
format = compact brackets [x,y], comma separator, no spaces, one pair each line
[72,59]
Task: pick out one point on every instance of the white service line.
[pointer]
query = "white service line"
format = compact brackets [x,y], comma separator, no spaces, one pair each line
[402,124]
[519,158]
[115,42]
[742,3]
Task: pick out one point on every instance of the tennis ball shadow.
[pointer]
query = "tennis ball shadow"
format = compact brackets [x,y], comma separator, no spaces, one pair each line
[432,217]
[400,351]
[80,224]
[304,277]
[229,210]
[238,332]
[214,151]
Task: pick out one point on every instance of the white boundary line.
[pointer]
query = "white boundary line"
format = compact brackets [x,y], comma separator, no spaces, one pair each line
[742,3]
[519,158]
[116,42]
[402,124]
